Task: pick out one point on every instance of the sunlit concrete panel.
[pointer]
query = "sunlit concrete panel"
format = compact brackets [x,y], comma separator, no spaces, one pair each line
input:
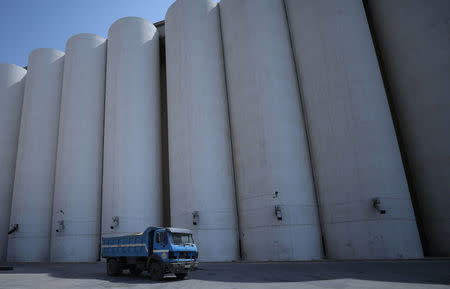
[12,84]
[132,193]
[78,179]
[32,201]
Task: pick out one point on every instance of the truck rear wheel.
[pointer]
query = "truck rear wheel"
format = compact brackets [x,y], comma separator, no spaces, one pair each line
[113,267]
[156,271]
[180,276]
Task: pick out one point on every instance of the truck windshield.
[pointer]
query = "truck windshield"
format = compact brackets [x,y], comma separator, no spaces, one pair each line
[182,239]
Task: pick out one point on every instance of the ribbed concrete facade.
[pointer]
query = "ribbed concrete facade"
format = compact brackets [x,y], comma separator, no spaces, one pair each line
[289,130]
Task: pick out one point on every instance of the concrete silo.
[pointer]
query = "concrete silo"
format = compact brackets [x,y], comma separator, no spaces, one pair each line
[364,199]
[12,83]
[413,38]
[202,195]
[132,198]
[277,207]
[78,179]
[31,208]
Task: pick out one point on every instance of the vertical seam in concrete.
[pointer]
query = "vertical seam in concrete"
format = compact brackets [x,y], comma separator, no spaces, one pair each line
[49,251]
[395,120]
[231,136]
[103,157]
[165,165]
[305,121]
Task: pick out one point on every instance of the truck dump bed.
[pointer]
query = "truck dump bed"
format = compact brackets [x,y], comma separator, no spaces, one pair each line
[137,245]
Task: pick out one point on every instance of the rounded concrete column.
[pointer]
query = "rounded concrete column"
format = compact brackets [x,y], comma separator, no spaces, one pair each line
[32,201]
[354,149]
[200,159]
[132,184]
[413,38]
[78,179]
[277,207]
[12,83]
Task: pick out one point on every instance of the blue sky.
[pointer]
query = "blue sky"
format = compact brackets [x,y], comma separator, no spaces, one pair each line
[29,24]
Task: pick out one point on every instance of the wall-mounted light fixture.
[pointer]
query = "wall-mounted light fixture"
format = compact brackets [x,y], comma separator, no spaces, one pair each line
[13,228]
[278,213]
[376,203]
[115,223]
[60,227]
[195,217]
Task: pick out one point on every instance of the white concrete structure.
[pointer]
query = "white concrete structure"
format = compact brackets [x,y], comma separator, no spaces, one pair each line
[413,37]
[273,172]
[78,179]
[36,157]
[132,193]
[12,84]
[200,158]
[353,144]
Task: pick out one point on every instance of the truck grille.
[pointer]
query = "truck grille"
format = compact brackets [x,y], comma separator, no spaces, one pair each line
[183,255]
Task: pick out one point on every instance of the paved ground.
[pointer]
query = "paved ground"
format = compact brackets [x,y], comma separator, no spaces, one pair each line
[326,274]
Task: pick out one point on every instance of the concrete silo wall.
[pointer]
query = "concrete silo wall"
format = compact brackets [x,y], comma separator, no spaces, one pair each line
[355,154]
[413,38]
[132,193]
[272,163]
[12,83]
[36,157]
[78,180]
[201,165]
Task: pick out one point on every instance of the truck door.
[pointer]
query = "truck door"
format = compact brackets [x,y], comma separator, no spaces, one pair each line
[161,245]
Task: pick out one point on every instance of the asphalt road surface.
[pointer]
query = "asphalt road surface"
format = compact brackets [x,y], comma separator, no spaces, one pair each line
[324,274]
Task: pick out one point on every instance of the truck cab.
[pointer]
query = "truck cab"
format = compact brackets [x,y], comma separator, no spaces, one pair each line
[156,250]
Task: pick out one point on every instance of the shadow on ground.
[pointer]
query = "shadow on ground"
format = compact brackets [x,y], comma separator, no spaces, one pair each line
[411,271]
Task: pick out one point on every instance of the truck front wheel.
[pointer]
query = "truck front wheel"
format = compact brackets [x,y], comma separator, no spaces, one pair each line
[156,271]
[113,267]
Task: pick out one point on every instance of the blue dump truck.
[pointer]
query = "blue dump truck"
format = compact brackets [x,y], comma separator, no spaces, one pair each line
[156,250]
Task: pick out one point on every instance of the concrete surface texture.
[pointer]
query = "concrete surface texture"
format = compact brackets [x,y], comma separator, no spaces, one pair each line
[34,183]
[354,149]
[132,192]
[272,163]
[12,84]
[78,179]
[201,166]
[307,275]
[413,38]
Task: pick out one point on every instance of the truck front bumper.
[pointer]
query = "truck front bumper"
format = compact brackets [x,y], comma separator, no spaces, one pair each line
[182,267]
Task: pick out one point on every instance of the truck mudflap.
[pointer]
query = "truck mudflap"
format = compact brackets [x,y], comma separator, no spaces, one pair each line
[181,267]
